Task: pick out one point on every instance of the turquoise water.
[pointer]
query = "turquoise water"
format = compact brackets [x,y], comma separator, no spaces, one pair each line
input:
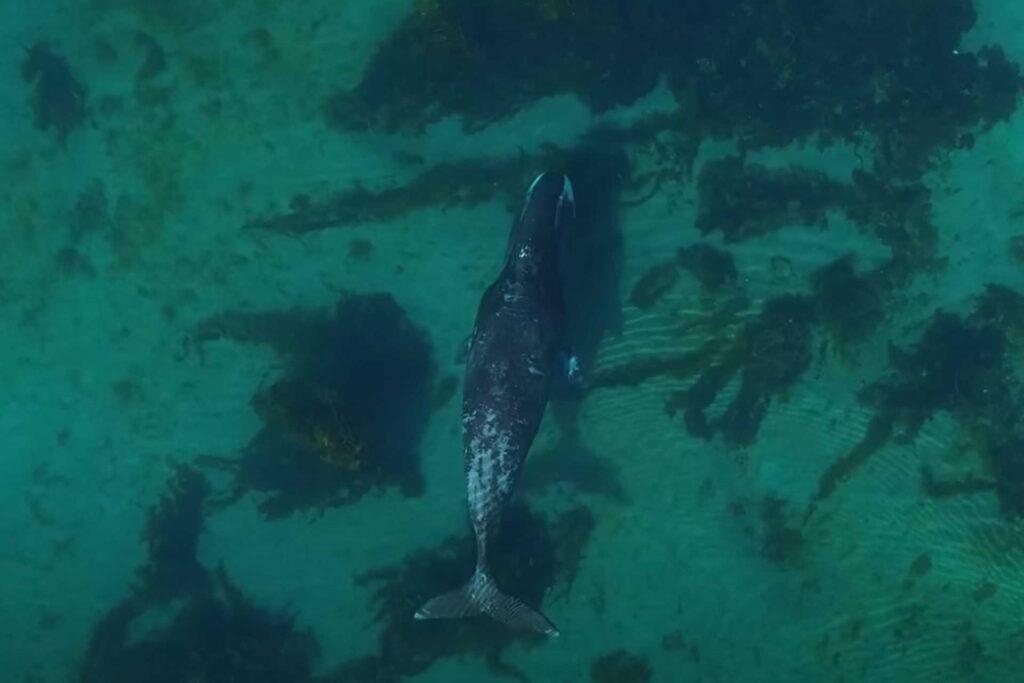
[246,242]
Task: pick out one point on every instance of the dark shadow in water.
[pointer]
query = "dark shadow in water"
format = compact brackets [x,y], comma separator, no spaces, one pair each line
[593,254]
[571,463]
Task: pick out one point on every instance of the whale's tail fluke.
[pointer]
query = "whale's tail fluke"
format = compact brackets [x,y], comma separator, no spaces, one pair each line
[480,596]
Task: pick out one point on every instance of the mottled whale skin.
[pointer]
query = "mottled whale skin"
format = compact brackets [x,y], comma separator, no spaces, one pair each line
[517,348]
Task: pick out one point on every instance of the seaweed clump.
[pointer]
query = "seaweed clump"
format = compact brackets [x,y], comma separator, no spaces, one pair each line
[484,64]
[850,306]
[770,354]
[711,267]
[172,531]
[348,415]
[620,666]
[529,560]
[960,365]
[748,200]
[766,73]
[58,98]
[185,623]
[464,183]
[743,200]
[783,542]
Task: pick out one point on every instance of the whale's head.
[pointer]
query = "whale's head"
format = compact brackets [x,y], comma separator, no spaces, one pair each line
[537,238]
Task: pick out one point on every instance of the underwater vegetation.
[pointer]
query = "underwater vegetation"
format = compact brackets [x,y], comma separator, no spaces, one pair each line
[770,354]
[748,200]
[620,666]
[172,529]
[710,266]
[532,557]
[743,200]
[183,622]
[775,527]
[349,413]
[960,365]
[58,98]
[849,305]
[461,183]
[765,73]
[783,541]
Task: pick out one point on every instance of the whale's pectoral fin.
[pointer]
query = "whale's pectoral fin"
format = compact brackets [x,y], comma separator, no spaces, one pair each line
[481,597]
[462,355]
[571,368]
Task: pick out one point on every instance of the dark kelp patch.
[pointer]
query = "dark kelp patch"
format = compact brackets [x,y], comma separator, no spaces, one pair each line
[782,540]
[620,666]
[713,268]
[463,183]
[531,557]
[744,200]
[484,65]
[185,623]
[961,366]
[849,305]
[767,74]
[58,98]
[348,415]
[748,200]
[770,354]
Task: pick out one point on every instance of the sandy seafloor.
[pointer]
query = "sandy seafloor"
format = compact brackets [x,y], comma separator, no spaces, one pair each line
[79,467]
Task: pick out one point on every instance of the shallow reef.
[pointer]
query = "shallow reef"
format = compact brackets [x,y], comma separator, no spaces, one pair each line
[183,622]
[767,74]
[532,557]
[961,365]
[349,413]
